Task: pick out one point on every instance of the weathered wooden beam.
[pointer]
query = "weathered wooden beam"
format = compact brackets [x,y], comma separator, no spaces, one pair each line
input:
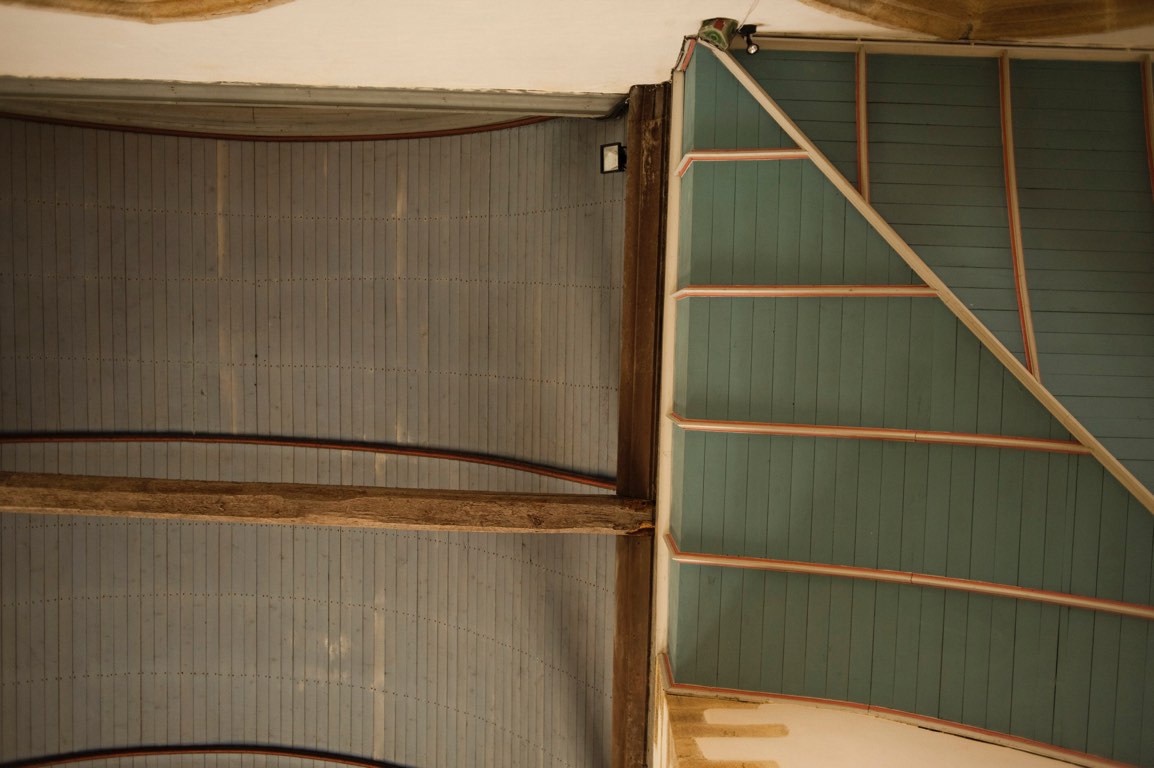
[350,506]
[645,197]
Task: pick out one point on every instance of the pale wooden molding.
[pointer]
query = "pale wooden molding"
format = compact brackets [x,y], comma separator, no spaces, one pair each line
[253,95]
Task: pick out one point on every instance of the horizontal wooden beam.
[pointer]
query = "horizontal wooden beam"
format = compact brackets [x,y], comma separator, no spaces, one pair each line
[348,506]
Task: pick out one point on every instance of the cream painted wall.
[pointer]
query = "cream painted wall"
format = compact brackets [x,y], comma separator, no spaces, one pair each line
[541,45]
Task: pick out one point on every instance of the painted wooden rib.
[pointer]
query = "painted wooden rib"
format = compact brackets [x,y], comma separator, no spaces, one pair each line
[798,291]
[732,155]
[908,577]
[1017,253]
[1148,115]
[686,54]
[861,117]
[879,433]
[1115,467]
[310,443]
[922,721]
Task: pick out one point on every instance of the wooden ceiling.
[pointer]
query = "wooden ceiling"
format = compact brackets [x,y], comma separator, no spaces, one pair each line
[996,19]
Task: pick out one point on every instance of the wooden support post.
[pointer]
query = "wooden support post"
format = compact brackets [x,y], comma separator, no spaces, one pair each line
[648,142]
[350,506]
[861,113]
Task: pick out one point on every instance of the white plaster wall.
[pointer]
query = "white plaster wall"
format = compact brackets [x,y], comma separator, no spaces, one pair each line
[542,45]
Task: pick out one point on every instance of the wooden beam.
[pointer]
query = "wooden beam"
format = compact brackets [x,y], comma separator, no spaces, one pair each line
[350,506]
[861,113]
[642,300]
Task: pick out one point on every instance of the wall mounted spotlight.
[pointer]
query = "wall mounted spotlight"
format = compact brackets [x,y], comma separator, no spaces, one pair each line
[613,158]
[748,31]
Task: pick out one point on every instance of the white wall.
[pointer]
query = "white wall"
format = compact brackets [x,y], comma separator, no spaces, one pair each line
[541,45]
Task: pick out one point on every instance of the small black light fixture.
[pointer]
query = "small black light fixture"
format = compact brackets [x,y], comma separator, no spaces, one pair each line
[613,157]
[748,31]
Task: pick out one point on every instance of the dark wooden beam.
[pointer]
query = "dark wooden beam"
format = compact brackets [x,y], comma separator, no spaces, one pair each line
[350,506]
[645,198]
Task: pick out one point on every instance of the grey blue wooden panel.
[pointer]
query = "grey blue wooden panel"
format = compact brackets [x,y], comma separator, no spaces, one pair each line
[420,648]
[777,222]
[905,363]
[937,175]
[721,114]
[1043,521]
[818,90]
[458,292]
[1042,672]
[1088,230]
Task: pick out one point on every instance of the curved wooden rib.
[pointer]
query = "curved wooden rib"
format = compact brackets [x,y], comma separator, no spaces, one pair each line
[206,749]
[792,291]
[1115,467]
[300,442]
[908,577]
[879,433]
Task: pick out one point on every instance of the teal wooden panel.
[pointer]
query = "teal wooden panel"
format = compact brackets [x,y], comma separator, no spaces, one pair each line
[937,175]
[1088,230]
[879,362]
[721,114]
[1037,520]
[1037,671]
[776,222]
[818,92]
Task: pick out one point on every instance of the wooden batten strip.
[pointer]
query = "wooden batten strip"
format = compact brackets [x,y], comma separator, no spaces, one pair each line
[1148,115]
[734,155]
[799,291]
[329,505]
[950,48]
[862,121]
[880,433]
[908,577]
[1144,495]
[896,715]
[1017,252]
[686,54]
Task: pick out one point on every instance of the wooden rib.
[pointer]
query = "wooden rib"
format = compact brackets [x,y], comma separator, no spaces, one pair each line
[348,506]
[1017,253]
[792,291]
[896,715]
[953,49]
[908,577]
[920,268]
[862,120]
[732,155]
[880,433]
[686,54]
[1148,115]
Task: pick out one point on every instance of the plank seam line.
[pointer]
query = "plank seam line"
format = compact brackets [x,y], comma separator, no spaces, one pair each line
[973,586]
